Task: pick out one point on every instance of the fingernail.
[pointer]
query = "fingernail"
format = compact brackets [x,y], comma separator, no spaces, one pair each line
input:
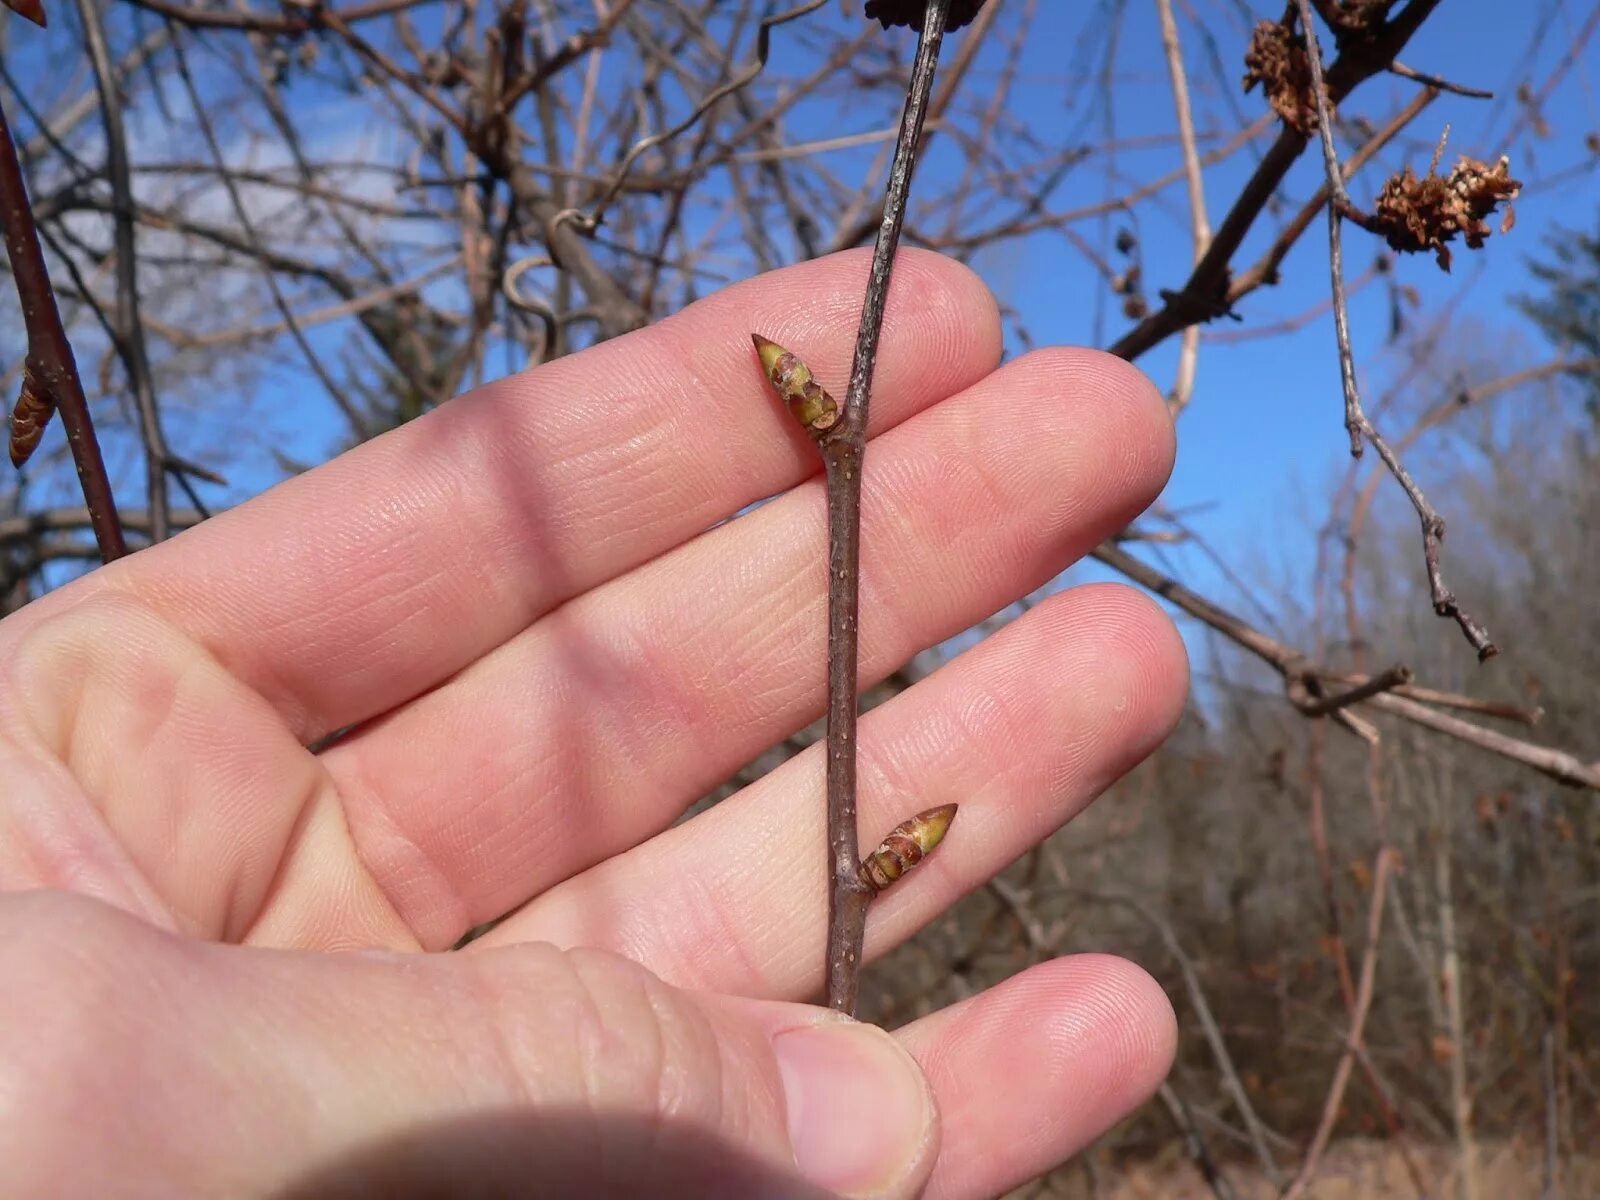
[861,1117]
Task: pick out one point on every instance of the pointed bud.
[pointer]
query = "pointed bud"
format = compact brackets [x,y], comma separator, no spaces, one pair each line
[907,844]
[792,380]
[29,417]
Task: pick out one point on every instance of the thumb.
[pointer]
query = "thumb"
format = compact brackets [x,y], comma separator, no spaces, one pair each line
[207,1070]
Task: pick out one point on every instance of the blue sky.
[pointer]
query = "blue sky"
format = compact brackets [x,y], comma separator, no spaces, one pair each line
[1263,437]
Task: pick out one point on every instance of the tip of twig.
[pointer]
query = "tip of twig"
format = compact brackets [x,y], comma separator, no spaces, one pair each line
[33,10]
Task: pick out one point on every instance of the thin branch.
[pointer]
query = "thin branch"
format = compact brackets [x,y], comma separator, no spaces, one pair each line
[50,375]
[1358,1022]
[1232,1083]
[1199,1154]
[1291,663]
[590,221]
[843,451]
[1200,226]
[1435,81]
[1321,706]
[130,339]
[1356,422]
[353,415]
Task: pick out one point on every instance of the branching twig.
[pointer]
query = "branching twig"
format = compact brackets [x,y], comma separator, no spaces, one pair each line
[50,374]
[1321,706]
[1355,419]
[347,406]
[1291,663]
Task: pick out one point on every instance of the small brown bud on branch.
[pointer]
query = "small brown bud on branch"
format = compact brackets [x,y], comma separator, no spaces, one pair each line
[791,379]
[907,844]
[29,417]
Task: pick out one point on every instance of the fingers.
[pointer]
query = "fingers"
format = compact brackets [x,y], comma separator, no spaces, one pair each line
[600,724]
[348,590]
[138,770]
[205,1070]
[1033,1070]
[1022,731]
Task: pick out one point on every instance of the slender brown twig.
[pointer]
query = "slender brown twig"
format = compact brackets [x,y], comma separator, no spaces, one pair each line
[50,374]
[842,453]
[1291,663]
[1358,1022]
[1199,224]
[1357,425]
[129,339]
[1321,706]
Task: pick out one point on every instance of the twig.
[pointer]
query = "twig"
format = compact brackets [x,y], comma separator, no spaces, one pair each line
[130,340]
[28,527]
[1444,85]
[1355,419]
[1219,1184]
[842,453]
[352,414]
[1321,706]
[1552,1117]
[1289,662]
[1358,1021]
[1203,295]
[1202,1011]
[590,221]
[50,374]
[1200,226]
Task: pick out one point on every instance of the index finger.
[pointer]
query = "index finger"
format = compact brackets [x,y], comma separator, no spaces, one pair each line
[346,591]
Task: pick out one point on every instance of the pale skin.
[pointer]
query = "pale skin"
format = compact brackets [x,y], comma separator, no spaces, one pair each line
[546,659]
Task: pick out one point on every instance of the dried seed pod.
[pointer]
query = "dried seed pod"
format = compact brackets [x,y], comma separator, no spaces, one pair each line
[907,844]
[791,378]
[29,417]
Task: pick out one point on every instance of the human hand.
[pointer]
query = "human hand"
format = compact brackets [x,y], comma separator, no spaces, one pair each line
[545,660]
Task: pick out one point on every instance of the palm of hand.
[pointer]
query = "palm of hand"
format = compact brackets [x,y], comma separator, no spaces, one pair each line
[543,664]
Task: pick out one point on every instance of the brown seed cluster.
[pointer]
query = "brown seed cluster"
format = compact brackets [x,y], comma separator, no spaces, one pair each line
[1423,214]
[910,13]
[1278,61]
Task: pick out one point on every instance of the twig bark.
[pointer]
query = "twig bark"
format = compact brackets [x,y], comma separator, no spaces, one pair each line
[1356,422]
[1200,226]
[1290,663]
[50,375]
[130,340]
[842,454]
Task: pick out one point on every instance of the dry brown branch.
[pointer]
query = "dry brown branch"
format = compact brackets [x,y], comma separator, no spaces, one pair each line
[1199,224]
[1356,421]
[50,374]
[1290,664]
[1358,1021]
